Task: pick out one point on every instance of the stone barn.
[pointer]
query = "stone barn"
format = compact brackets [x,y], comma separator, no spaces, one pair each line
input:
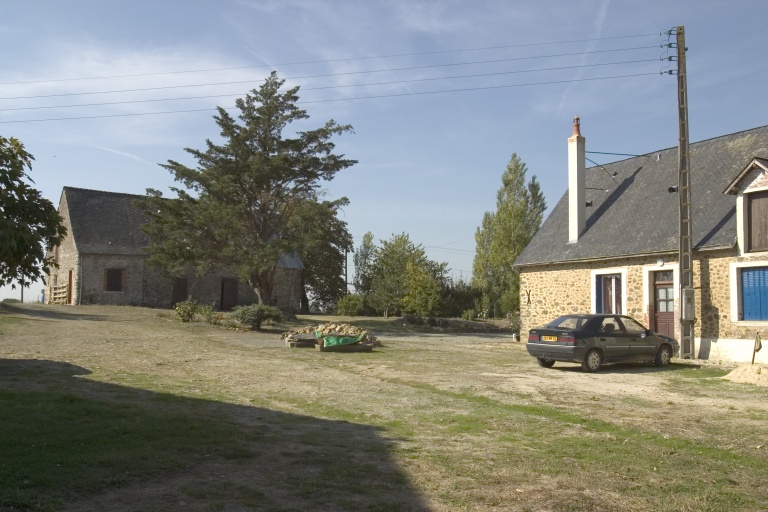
[102,261]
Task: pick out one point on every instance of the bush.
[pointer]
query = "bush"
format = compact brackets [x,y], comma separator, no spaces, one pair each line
[468,314]
[210,315]
[187,310]
[253,315]
[350,305]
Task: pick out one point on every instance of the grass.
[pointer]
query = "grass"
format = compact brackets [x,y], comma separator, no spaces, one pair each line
[130,407]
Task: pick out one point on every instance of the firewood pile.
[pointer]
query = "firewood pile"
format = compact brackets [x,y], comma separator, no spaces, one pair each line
[307,334]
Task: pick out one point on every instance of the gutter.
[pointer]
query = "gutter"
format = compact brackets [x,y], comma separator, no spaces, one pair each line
[622,256]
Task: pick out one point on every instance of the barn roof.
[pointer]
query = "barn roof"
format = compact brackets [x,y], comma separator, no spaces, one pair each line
[111,222]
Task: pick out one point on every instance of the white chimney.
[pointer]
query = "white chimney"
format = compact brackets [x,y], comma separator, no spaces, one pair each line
[577,164]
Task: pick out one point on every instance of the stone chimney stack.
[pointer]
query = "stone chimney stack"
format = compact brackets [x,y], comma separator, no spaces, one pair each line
[577,201]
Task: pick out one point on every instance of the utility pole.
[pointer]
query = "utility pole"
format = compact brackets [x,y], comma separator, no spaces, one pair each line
[687,299]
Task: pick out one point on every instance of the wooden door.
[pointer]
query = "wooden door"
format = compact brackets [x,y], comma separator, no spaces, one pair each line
[228,293]
[179,291]
[664,303]
[69,287]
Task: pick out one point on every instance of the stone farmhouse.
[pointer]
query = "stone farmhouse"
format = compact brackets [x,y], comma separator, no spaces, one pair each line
[611,244]
[102,261]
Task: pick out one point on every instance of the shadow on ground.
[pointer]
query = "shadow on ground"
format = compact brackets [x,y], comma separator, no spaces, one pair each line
[70,443]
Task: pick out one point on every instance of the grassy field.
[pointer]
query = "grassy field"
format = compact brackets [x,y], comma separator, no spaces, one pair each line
[127,409]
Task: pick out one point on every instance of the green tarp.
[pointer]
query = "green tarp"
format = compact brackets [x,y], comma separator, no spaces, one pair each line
[333,341]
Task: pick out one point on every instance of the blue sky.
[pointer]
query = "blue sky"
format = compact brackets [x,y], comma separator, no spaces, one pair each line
[440,93]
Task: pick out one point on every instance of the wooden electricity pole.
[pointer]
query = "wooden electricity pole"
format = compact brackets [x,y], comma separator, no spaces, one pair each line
[687,299]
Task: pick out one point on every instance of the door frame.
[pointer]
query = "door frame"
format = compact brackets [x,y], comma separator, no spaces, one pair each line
[649,290]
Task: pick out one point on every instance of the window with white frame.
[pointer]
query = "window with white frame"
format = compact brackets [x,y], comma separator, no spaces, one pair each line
[608,291]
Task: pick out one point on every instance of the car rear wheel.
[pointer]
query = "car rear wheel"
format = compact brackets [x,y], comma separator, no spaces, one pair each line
[545,363]
[592,361]
[663,356]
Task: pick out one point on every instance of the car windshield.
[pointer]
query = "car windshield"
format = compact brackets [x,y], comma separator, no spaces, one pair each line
[568,322]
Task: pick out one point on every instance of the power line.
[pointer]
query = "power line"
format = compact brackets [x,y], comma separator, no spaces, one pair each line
[393,82]
[326,75]
[347,59]
[393,95]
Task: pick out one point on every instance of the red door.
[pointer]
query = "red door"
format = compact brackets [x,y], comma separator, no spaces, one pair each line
[69,288]
[664,303]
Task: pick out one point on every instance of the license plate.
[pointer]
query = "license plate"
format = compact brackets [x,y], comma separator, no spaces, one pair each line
[549,338]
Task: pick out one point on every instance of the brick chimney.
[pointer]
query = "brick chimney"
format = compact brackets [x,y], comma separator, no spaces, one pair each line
[577,206]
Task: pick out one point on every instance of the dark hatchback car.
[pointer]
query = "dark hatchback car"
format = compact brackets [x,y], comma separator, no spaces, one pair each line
[596,339]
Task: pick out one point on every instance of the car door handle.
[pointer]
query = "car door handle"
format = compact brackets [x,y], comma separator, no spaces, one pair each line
[603,339]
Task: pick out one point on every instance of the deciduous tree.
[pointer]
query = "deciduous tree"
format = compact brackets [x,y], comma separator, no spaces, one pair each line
[503,235]
[399,269]
[323,242]
[28,223]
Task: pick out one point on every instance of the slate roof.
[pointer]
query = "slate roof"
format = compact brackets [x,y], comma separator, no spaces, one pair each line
[110,223]
[634,214]
[105,222]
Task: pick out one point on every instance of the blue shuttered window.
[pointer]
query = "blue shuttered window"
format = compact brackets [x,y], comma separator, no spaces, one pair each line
[754,293]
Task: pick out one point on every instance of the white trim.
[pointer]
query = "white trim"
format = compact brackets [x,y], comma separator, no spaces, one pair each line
[741,221]
[741,236]
[735,291]
[648,288]
[601,272]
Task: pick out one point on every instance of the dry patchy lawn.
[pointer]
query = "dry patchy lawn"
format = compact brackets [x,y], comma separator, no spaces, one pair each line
[428,421]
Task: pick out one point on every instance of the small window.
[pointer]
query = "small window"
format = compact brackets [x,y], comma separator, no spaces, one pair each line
[114,280]
[609,294]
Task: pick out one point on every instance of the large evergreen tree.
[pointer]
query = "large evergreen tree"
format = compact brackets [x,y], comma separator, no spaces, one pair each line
[239,203]
[502,237]
[28,223]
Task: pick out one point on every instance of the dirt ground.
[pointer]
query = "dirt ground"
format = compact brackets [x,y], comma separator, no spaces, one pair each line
[116,346]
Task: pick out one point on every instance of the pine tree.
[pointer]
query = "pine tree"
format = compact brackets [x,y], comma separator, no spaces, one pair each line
[241,200]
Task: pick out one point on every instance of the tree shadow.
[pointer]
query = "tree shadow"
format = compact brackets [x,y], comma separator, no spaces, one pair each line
[50,312]
[71,443]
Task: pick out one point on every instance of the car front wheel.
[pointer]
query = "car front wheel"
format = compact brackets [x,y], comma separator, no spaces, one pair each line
[545,363]
[592,361]
[663,356]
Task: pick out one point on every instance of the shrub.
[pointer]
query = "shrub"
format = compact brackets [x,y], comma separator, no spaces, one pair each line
[210,315]
[253,315]
[187,309]
[350,305]
[468,314]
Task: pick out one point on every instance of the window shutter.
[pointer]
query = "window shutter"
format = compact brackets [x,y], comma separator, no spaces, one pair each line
[758,221]
[754,293]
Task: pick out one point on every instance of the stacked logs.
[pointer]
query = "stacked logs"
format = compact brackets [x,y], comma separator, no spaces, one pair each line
[331,329]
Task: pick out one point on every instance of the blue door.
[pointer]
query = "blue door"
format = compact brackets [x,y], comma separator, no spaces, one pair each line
[754,293]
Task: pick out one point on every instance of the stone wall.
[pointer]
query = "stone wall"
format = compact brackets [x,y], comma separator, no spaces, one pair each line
[65,256]
[547,292]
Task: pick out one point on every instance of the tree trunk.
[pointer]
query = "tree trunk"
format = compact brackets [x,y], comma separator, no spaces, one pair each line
[304,304]
[262,285]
